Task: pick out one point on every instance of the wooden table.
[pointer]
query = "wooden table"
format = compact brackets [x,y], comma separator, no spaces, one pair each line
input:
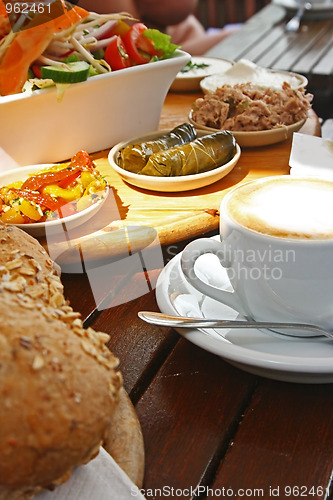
[206,423]
[263,40]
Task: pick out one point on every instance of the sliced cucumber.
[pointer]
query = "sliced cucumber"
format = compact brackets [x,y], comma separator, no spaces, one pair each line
[73,72]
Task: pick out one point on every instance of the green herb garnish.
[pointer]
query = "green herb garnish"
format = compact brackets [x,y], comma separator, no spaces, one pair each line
[192,65]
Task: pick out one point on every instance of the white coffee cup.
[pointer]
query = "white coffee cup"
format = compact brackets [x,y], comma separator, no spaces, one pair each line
[277,246]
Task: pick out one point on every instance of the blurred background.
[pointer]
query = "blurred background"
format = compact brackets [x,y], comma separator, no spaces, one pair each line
[218,13]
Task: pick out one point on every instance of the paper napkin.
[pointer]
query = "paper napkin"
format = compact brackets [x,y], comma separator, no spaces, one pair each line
[311,156]
[100,479]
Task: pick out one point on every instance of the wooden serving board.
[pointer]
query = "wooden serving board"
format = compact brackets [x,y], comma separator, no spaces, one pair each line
[124,441]
[167,217]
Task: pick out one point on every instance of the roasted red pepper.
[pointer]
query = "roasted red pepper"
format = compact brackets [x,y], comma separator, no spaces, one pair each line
[70,180]
[36,182]
[44,200]
[83,160]
[80,161]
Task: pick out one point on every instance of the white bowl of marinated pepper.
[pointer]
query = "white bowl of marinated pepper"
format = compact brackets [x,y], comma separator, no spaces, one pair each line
[49,198]
[182,159]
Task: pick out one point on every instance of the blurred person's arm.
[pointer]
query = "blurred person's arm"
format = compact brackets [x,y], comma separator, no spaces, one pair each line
[192,37]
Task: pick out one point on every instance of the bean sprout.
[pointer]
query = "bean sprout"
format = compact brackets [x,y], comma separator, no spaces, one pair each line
[87,56]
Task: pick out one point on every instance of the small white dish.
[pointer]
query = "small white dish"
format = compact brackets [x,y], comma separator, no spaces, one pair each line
[271,78]
[189,80]
[39,229]
[290,359]
[169,184]
[256,138]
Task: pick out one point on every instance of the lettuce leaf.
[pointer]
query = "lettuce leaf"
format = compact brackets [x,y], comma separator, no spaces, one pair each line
[161,42]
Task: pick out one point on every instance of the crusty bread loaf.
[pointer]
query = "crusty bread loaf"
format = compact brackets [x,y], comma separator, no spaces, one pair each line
[59,383]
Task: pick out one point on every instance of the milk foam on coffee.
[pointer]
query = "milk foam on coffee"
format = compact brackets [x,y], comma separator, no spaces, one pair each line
[285,207]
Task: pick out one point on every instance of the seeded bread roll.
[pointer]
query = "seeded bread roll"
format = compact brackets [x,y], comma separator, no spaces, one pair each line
[59,383]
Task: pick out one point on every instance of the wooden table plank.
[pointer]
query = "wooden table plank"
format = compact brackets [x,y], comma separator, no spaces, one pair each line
[257,27]
[283,441]
[325,65]
[264,41]
[298,46]
[314,59]
[188,416]
[258,51]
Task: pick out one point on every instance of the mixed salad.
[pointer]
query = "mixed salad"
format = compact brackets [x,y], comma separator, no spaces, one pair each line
[53,193]
[64,44]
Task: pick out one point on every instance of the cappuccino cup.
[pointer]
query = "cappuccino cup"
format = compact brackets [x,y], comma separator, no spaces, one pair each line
[276,243]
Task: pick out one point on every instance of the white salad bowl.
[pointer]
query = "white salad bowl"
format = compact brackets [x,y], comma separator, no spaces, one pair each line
[170,184]
[92,115]
[55,226]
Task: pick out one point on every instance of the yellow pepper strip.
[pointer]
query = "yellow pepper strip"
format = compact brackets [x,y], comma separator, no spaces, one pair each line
[66,194]
[12,216]
[87,178]
[30,209]
[95,186]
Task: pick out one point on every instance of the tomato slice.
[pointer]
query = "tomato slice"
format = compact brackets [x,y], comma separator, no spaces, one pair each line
[140,48]
[116,55]
[36,70]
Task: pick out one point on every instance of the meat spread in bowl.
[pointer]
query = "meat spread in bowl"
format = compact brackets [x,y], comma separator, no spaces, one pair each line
[245,107]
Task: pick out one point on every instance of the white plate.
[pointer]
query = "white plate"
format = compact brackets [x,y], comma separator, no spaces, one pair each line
[256,138]
[189,81]
[53,226]
[316,4]
[273,79]
[321,9]
[302,360]
[169,184]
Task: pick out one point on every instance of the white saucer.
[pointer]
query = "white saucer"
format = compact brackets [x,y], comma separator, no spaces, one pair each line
[302,360]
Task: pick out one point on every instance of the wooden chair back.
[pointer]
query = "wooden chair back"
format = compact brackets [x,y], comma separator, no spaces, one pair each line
[218,13]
